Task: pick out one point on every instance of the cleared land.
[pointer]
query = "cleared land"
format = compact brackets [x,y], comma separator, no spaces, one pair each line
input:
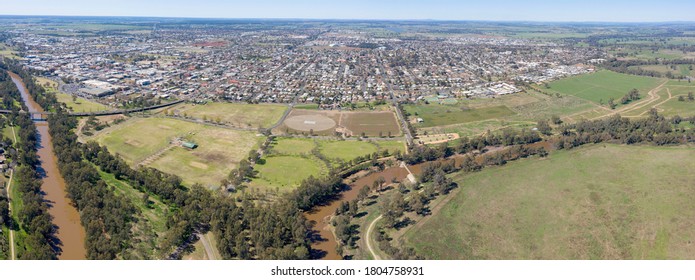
[596,202]
[347,150]
[600,86]
[286,172]
[218,152]
[441,115]
[81,104]
[241,115]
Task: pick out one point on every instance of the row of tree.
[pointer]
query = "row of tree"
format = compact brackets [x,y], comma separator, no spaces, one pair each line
[33,217]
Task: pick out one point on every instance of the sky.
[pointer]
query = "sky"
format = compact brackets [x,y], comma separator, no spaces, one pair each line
[492,10]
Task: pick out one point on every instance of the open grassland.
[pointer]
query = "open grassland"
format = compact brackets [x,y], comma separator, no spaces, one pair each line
[241,115]
[599,87]
[290,160]
[218,152]
[441,115]
[347,150]
[667,102]
[528,108]
[293,146]
[595,202]
[8,52]
[286,172]
[80,104]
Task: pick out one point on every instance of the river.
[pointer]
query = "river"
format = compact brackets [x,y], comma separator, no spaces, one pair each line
[321,215]
[70,232]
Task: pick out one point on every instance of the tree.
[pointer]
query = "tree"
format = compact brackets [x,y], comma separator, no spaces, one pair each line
[146,199]
[379,183]
[611,103]
[681,98]
[555,120]
[544,127]
[691,97]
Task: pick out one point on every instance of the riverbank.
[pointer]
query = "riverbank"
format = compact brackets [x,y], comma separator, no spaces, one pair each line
[70,233]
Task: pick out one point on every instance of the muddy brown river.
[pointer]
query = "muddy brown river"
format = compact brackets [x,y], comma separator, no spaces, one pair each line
[70,232]
[321,215]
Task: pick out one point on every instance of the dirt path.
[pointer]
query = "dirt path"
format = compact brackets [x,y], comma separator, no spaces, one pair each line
[369,238]
[637,105]
[208,248]
[9,202]
[156,155]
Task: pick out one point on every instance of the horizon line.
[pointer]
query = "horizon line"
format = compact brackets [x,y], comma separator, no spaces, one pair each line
[350,19]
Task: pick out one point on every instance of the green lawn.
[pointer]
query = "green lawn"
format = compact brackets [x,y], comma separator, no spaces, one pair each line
[81,104]
[244,115]
[441,115]
[293,146]
[347,150]
[286,172]
[603,85]
[218,151]
[596,202]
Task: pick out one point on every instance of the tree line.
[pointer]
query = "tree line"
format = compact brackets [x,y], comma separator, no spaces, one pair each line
[33,217]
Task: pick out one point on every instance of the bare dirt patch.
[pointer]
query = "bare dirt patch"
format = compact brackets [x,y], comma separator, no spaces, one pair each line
[198,165]
[310,122]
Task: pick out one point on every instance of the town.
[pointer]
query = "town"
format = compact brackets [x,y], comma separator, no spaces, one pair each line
[331,67]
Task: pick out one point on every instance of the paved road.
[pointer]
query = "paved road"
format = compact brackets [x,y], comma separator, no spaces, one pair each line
[369,237]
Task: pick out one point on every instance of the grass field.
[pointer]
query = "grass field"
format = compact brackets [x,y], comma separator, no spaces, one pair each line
[441,115]
[8,52]
[683,69]
[595,202]
[218,149]
[81,104]
[347,150]
[242,115]
[601,86]
[293,146]
[286,172]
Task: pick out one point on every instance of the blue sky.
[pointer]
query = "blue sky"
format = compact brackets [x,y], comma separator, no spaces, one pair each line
[528,10]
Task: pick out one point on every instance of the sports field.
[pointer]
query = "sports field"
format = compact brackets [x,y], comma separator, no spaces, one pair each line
[600,86]
[350,123]
[441,115]
[241,115]
[595,202]
[218,151]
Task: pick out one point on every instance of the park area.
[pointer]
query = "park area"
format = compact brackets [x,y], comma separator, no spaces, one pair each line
[442,115]
[239,115]
[595,202]
[350,123]
[291,160]
[218,152]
